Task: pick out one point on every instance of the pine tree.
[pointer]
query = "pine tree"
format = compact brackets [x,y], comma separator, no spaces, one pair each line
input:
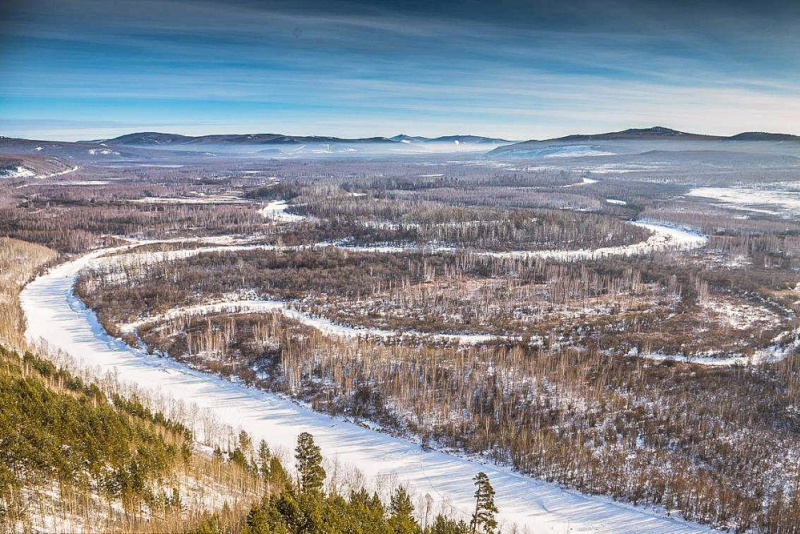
[257,521]
[238,458]
[402,519]
[246,446]
[483,520]
[245,442]
[309,464]
[445,525]
[278,477]
[264,457]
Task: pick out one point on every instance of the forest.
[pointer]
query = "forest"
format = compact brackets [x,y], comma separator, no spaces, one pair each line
[60,432]
[465,308]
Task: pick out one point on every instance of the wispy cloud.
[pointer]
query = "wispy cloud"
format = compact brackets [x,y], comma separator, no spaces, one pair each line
[520,69]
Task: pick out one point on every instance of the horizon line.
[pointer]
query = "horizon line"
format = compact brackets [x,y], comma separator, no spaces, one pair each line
[429,137]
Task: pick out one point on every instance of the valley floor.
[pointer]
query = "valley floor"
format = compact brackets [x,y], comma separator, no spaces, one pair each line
[58,318]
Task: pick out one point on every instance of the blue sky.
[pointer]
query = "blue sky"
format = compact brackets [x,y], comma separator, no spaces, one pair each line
[80,69]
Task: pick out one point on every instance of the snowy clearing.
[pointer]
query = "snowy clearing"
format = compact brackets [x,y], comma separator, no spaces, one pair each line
[59,319]
[276,211]
[24,172]
[82,182]
[739,315]
[755,200]
[103,152]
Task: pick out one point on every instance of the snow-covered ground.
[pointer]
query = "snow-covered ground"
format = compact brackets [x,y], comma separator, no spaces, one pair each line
[664,238]
[58,318]
[82,182]
[276,211]
[200,199]
[782,346]
[584,181]
[739,315]
[24,172]
[60,173]
[19,172]
[773,202]
[103,152]
[320,323]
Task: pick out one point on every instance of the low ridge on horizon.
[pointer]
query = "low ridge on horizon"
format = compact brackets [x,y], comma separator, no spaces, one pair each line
[146,138]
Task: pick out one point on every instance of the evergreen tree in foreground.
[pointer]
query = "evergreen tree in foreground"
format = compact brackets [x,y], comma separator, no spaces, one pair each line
[310,473]
[483,520]
[401,509]
[305,508]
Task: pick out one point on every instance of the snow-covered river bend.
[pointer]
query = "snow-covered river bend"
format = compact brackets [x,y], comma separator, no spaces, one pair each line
[57,317]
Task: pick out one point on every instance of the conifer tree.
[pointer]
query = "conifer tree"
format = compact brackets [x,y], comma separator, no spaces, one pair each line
[483,520]
[402,519]
[257,521]
[264,457]
[278,477]
[309,464]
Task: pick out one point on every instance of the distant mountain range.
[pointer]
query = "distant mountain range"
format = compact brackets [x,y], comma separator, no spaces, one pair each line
[166,139]
[659,132]
[582,145]
[157,139]
[153,145]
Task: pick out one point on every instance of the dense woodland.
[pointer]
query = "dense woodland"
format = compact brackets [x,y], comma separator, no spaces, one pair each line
[59,432]
[74,458]
[569,415]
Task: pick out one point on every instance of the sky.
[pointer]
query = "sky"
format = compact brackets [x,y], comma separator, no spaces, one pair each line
[517,69]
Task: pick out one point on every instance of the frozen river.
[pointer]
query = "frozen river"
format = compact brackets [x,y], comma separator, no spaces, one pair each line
[56,316]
